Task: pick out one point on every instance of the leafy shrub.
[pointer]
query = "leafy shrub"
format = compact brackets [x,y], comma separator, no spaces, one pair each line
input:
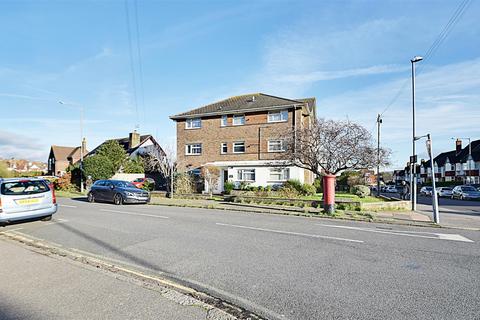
[318,185]
[268,188]
[308,189]
[361,191]
[293,184]
[64,183]
[244,185]
[184,183]
[228,187]
[99,167]
[134,165]
[148,185]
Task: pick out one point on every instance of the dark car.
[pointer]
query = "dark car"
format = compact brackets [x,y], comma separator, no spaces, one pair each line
[465,193]
[118,192]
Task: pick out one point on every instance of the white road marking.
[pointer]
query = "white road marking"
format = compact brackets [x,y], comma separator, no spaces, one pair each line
[67,206]
[288,232]
[427,235]
[134,213]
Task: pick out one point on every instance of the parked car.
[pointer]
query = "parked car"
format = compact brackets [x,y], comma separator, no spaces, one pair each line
[118,192]
[140,182]
[391,189]
[465,193]
[426,191]
[444,192]
[26,198]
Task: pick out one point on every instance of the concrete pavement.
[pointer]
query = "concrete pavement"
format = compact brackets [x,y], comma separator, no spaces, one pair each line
[284,267]
[37,286]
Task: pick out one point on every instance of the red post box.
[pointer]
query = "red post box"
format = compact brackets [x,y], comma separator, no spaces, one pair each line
[329,193]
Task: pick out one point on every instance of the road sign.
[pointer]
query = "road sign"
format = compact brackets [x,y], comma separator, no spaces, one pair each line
[413,159]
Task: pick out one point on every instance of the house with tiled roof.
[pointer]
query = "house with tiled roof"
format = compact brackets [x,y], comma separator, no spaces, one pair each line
[241,136]
[61,157]
[135,145]
[461,164]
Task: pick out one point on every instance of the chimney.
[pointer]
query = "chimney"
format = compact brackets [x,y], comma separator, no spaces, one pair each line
[133,139]
[458,146]
[84,146]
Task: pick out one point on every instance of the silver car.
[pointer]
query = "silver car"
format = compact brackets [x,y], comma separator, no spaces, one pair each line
[26,198]
[444,192]
[465,193]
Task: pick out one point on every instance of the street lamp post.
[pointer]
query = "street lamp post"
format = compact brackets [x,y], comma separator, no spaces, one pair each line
[81,138]
[413,176]
[469,157]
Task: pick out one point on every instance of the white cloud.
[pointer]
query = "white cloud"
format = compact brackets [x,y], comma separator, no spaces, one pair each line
[448,105]
[22,147]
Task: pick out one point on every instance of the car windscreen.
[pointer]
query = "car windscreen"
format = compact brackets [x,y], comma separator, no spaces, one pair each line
[468,189]
[18,188]
[123,184]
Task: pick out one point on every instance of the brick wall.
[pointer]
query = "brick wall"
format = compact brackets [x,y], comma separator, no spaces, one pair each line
[256,132]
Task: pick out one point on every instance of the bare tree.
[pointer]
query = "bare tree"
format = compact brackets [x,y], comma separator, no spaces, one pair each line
[211,174]
[165,163]
[330,147]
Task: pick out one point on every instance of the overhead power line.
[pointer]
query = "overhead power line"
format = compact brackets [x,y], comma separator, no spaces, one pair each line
[132,63]
[139,57]
[456,16]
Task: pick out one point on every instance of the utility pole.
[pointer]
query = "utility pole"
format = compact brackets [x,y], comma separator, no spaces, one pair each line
[379,122]
[413,175]
[436,214]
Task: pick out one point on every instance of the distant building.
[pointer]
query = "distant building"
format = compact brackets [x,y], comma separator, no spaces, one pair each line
[455,165]
[135,145]
[22,165]
[61,157]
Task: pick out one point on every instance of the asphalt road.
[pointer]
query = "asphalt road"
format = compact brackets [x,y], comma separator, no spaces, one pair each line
[285,267]
[453,212]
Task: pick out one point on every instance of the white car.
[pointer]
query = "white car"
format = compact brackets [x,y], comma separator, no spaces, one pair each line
[444,192]
[26,198]
[426,191]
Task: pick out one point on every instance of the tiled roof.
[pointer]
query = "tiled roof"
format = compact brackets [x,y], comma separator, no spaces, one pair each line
[124,143]
[244,103]
[63,153]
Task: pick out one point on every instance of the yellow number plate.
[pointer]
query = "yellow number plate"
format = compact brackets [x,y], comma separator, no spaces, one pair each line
[25,202]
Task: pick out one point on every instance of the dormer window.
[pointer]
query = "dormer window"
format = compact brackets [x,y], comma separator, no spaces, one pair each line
[194,123]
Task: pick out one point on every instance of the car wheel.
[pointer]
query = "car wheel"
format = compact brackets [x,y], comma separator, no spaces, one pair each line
[91,198]
[47,218]
[118,200]
[462,197]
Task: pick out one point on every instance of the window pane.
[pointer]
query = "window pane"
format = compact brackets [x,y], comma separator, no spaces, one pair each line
[238,119]
[224,148]
[224,121]
[239,147]
[194,123]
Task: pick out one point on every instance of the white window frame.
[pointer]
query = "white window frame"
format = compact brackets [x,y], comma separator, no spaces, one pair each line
[189,123]
[238,116]
[190,147]
[223,144]
[239,142]
[242,173]
[282,113]
[272,142]
[283,174]
[224,121]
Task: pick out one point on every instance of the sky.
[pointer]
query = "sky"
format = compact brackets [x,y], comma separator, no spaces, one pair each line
[352,56]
